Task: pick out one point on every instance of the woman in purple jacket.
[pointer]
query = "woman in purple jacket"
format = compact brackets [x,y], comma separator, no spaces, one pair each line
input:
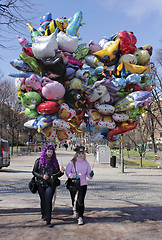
[78,167]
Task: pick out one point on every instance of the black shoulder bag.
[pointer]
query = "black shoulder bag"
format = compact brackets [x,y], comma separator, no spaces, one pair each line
[73,183]
[33,185]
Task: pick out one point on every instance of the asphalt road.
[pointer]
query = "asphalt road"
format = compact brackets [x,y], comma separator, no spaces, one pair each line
[119,206]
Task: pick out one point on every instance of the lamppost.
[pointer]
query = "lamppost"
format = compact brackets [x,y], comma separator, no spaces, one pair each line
[8,128]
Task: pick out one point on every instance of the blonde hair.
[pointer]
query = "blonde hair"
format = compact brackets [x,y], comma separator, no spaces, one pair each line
[76,155]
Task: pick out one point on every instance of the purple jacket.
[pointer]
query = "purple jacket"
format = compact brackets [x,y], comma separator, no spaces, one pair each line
[83,169]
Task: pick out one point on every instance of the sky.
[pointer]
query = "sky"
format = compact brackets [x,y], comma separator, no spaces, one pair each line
[101,18]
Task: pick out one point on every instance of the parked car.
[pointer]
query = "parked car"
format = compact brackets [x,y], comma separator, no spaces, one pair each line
[4,153]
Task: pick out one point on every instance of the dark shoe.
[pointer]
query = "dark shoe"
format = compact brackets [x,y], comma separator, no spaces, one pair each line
[50,225]
[43,218]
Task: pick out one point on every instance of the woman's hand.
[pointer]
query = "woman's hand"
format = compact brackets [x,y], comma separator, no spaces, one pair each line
[91,173]
[45,177]
[62,169]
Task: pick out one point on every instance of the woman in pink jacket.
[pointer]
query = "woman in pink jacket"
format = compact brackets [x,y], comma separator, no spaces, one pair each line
[78,167]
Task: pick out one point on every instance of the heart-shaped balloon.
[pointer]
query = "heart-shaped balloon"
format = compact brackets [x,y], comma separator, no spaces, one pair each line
[107,122]
[64,134]
[104,109]
[66,112]
[61,124]
[49,132]
[94,116]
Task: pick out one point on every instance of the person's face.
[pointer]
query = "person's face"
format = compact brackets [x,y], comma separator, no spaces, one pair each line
[49,153]
[81,155]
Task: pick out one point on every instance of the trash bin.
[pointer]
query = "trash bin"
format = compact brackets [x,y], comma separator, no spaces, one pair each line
[113,161]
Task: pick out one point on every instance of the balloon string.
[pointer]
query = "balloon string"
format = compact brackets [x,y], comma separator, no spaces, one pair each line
[94,161]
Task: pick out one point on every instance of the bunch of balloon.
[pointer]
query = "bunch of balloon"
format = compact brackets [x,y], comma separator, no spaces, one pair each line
[64,84]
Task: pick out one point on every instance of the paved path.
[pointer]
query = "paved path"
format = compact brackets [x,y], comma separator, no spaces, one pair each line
[119,206]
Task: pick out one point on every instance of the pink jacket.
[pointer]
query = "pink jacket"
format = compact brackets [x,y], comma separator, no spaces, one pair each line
[83,169]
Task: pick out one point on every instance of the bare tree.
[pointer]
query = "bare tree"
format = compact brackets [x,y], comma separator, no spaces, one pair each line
[11,123]
[13,16]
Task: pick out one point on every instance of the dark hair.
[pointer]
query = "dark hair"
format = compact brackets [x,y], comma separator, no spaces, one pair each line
[43,157]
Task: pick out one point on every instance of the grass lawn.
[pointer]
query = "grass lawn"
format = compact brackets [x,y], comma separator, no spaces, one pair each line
[135,163]
[134,159]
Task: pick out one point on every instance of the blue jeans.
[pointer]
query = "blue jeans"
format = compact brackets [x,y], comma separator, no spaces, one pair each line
[46,196]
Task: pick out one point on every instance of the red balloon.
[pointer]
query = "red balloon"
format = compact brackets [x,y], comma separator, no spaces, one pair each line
[48,107]
[127,42]
[124,127]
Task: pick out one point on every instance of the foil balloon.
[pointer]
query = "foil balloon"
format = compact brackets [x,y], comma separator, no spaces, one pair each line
[46,80]
[127,42]
[104,109]
[49,132]
[32,83]
[28,51]
[55,26]
[32,62]
[132,100]
[120,117]
[53,91]
[53,65]
[66,42]
[48,107]
[106,122]
[99,92]
[21,65]
[75,23]
[74,128]
[131,68]
[66,112]
[75,98]
[29,124]
[65,134]
[128,58]
[43,121]
[98,129]
[143,57]
[32,113]
[61,124]
[23,75]
[133,78]
[30,99]
[22,41]
[82,51]
[94,47]
[44,46]
[92,61]
[123,128]
[76,83]
[94,116]
[134,113]
[45,20]
[110,55]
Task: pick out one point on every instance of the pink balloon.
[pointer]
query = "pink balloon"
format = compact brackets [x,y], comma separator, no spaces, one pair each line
[53,91]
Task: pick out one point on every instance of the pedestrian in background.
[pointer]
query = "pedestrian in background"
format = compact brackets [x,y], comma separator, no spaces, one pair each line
[46,170]
[79,167]
[66,146]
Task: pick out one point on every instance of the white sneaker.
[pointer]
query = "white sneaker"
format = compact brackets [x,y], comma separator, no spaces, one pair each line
[80,221]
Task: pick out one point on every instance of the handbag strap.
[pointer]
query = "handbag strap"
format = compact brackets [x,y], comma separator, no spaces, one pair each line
[75,167]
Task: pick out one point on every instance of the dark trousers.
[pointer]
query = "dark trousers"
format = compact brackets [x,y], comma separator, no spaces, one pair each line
[80,199]
[46,196]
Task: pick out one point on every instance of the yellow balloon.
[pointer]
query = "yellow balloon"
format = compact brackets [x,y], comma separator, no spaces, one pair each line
[110,55]
[132,68]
